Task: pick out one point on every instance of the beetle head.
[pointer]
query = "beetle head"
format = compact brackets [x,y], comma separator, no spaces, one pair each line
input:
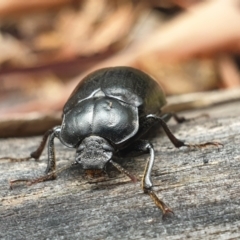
[94,152]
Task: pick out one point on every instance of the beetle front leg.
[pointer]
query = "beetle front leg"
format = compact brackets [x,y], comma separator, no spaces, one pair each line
[35,154]
[51,151]
[140,147]
[147,184]
[50,171]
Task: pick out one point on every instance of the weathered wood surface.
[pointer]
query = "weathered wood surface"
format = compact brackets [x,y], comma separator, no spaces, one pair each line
[204,196]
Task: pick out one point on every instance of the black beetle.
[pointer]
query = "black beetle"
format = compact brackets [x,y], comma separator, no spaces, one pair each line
[106,117]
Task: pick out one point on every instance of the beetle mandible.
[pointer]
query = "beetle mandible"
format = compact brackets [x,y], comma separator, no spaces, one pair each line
[105,118]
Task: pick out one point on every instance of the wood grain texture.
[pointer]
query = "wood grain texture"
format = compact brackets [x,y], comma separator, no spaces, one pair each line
[201,186]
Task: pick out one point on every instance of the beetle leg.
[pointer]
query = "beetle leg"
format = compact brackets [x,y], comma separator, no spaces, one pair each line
[147,184]
[35,154]
[166,117]
[153,119]
[51,150]
[140,147]
[38,152]
[51,167]
[179,119]
[46,177]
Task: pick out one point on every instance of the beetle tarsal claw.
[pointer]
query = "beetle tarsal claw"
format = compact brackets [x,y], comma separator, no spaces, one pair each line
[16,159]
[204,145]
[49,176]
[159,203]
[29,182]
[12,182]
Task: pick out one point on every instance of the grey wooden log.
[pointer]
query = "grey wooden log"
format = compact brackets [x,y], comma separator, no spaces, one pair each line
[201,186]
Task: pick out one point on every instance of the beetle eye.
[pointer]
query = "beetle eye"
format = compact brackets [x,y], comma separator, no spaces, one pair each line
[107,147]
[80,148]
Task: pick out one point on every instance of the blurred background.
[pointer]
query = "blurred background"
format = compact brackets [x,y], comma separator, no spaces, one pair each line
[47,47]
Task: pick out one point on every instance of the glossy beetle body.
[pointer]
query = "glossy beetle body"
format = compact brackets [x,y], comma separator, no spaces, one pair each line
[110,103]
[105,112]
[105,118]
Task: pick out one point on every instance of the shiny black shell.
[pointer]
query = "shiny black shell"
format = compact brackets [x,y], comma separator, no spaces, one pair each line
[109,103]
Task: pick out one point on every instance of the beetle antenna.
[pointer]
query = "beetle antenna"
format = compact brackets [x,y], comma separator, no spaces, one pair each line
[123,170]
